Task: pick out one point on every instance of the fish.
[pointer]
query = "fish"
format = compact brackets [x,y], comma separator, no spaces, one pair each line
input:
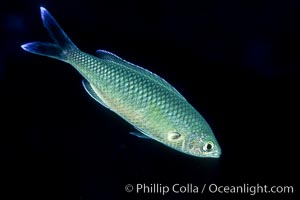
[145,100]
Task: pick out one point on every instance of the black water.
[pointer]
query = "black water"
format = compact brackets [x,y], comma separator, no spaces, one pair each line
[237,63]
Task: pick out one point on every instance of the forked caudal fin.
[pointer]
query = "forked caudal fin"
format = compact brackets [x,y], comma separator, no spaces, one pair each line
[61,41]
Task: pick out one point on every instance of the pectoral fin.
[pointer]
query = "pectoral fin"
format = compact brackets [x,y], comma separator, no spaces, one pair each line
[140,135]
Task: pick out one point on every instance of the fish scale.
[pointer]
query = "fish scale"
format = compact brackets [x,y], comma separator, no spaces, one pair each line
[145,100]
[139,93]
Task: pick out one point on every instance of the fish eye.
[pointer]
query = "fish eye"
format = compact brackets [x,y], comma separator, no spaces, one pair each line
[174,136]
[208,146]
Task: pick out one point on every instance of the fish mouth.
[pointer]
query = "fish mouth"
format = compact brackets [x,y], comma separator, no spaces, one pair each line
[211,155]
[214,155]
[217,155]
[199,154]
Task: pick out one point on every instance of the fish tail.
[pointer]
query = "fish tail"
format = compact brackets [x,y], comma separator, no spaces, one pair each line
[62,42]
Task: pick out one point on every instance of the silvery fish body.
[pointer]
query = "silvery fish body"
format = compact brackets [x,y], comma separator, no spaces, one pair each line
[156,109]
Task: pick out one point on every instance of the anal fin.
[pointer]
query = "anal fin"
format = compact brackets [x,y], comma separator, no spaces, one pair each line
[90,90]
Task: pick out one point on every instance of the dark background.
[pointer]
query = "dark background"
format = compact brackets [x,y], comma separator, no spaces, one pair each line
[237,63]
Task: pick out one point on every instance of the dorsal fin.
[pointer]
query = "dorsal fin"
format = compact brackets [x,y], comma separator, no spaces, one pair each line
[105,55]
